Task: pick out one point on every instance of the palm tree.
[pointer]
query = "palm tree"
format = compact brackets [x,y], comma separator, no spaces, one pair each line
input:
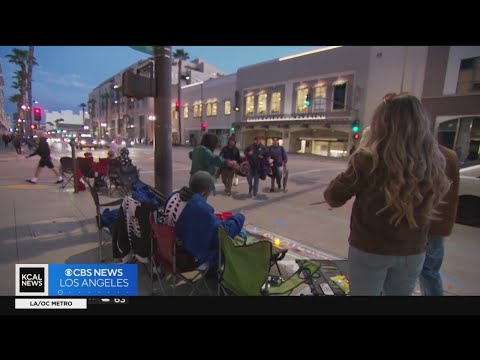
[91,111]
[31,63]
[180,55]
[83,106]
[58,121]
[20,57]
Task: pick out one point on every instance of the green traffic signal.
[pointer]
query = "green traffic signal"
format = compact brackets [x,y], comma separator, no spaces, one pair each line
[232,129]
[355,128]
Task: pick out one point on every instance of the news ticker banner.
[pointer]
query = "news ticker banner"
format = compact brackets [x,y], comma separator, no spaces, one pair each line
[63,280]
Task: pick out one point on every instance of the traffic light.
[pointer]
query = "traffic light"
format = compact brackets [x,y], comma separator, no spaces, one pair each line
[33,126]
[307,100]
[356,126]
[177,106]
[37,114]
[204,126]
[232,129]
[356,136]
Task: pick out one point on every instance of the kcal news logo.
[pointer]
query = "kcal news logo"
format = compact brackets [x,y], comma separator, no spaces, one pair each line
[31,279]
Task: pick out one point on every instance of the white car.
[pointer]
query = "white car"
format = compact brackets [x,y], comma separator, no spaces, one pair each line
[468,211]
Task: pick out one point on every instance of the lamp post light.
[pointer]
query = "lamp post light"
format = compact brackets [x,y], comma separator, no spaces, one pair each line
[152,119]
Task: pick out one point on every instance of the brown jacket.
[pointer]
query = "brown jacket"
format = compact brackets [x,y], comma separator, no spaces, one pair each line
[370,232]
[448,207]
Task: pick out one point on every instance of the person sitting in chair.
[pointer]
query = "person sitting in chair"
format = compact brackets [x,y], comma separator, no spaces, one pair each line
[195,222]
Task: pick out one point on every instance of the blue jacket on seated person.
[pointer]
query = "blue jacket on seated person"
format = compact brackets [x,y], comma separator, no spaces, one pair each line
[197,228]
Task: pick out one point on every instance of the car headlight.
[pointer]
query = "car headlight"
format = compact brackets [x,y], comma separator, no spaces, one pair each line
[83,142]
[131,143]
[94,142]
[123,142]
[102,142]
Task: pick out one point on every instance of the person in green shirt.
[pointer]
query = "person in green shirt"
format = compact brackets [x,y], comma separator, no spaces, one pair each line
[204,159]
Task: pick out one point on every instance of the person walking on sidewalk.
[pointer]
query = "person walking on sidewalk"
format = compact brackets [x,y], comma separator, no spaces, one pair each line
[17,142]
[440,228]
[43,150]
[229,152]
[279,156]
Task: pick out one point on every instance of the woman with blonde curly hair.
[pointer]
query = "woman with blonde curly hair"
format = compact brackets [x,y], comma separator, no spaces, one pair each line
[397,178]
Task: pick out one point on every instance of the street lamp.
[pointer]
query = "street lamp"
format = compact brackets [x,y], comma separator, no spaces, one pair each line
[152,118]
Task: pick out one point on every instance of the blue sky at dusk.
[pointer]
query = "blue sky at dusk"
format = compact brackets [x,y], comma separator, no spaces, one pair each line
[66,74]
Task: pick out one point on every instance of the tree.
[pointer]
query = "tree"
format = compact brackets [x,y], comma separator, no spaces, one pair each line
[31,62]
[180,55]
[58,121]
[83,106]
[91,111]
[20,57]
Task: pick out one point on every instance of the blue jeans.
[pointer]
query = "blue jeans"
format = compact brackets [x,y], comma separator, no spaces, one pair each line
[373,275]
[253,176]
[430,279]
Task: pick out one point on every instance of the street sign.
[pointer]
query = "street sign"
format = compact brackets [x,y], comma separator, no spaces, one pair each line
[137,86]
[145,49]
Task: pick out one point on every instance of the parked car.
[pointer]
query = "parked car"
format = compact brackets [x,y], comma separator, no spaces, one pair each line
[468,211]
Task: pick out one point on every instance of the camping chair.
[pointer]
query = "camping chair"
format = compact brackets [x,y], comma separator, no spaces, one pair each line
[66,170]
[85,165]
[114,166]
[101,227]
[169,257]
[244,270]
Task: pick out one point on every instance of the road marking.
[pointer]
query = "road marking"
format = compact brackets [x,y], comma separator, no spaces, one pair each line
[25,187]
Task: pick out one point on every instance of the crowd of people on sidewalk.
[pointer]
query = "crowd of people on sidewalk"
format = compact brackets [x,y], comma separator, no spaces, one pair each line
[257,163]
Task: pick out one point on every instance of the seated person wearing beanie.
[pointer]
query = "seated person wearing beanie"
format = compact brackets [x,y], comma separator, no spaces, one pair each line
[196,224]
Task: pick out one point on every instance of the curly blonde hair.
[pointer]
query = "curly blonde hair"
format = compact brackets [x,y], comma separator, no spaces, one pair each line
[408,166]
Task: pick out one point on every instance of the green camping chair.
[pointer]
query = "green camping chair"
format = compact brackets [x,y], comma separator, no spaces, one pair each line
[244,270]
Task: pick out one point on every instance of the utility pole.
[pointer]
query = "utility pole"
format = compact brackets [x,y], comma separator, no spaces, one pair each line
[163,123]
[180,101]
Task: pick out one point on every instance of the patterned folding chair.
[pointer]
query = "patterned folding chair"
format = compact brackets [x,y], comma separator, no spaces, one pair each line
[174,261]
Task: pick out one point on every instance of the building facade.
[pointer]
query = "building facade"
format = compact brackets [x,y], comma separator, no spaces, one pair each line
[111,113]
[311,100]
[451,95]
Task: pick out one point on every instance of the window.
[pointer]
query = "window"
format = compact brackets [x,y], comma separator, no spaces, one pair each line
[249,105]
[275,103]
[301,96]
[185,111]
[197,110]
[228,107]
[262,104]
[214,108]
[320,99]
[209,109]
[469,76]
[339,96]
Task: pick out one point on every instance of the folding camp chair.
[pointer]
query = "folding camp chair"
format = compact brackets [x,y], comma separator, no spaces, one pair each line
[114,176]
[244,270]
[174,261]
[66,170]
[98,218]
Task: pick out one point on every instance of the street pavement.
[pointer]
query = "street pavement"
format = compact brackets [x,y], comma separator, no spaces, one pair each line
[44,223]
